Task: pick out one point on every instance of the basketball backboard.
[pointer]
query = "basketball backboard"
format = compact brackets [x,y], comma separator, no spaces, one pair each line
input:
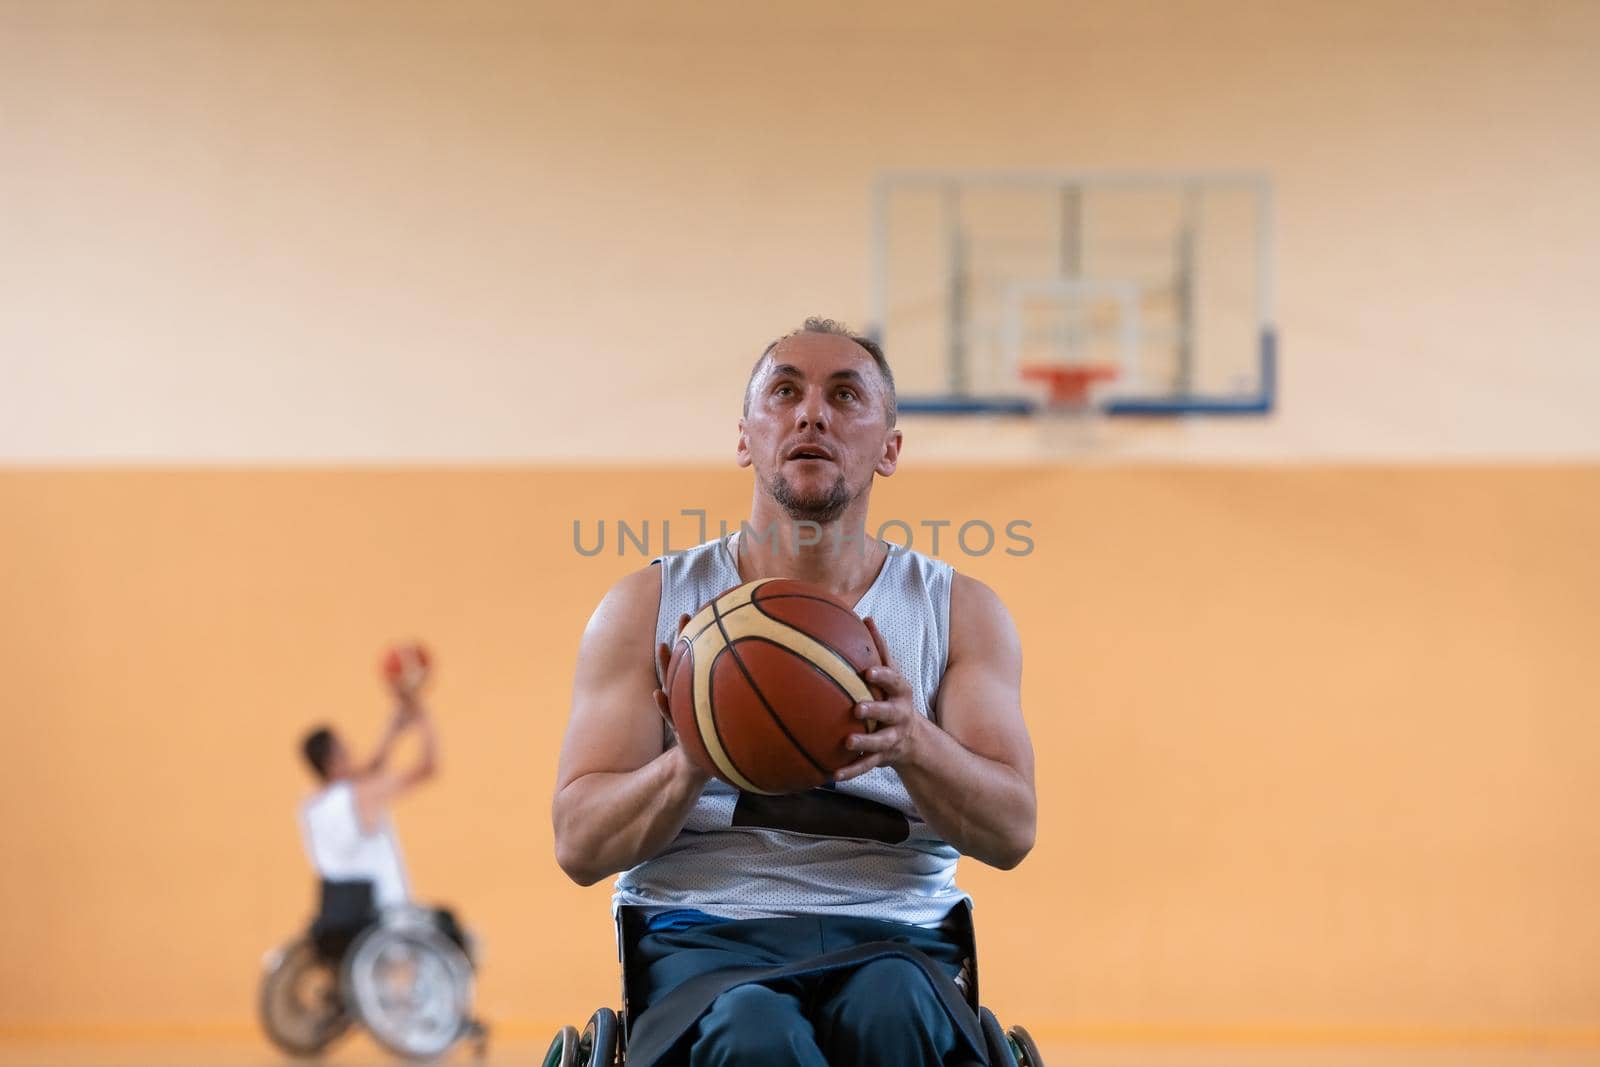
[1162,282]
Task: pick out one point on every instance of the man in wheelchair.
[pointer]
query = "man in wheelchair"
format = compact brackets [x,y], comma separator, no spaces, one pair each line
[348,834]
[824,927]
[371,955]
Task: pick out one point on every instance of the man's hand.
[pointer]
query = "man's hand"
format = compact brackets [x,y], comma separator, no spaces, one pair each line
[970,770]
[899,724]
[406,691]
[663,661]
[688,767]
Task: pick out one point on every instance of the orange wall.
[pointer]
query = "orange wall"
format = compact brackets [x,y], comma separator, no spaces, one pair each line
[1316,746]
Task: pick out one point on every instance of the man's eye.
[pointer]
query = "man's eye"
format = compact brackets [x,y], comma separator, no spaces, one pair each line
[783,390]
[847,394]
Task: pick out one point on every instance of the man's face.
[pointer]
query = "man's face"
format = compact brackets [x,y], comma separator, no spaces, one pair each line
[817,428]
[339,766]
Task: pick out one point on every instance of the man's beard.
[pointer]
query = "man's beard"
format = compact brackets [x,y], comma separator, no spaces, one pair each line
[818,507]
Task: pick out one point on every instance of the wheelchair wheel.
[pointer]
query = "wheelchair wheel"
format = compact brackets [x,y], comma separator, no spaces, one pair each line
[1027,1053]
[597,1047]
[563,1049]
[301,1007]
[1000,1054]
[411,987]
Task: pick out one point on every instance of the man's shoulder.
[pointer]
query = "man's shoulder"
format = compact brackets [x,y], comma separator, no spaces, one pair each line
[329,795]
[978,617]
[974,593]
[970,586]
[632,600]
[920,565]
[633,590]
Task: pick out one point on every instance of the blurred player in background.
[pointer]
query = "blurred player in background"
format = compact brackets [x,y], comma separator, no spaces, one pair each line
[348,833]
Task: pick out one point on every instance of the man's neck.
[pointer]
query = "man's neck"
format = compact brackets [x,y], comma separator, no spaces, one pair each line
[836,555]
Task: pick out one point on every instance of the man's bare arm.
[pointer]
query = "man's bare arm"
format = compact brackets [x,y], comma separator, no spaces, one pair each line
[398,722]
[375,792]
[972,780]
[620,798]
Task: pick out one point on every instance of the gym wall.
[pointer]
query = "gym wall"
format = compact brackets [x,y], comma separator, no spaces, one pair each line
[1315,746]
[324,322]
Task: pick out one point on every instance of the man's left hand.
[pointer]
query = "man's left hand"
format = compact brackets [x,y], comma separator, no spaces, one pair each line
[899,722]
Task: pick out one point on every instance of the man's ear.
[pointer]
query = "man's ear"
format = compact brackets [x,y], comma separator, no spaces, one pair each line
[741,451]
[891,453]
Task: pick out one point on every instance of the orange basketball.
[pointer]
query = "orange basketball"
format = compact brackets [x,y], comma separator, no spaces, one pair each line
[406,666]
[763,685]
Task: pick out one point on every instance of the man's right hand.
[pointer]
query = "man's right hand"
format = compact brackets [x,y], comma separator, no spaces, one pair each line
[663,661]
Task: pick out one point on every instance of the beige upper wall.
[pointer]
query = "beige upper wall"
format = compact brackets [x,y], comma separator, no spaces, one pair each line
[404,231]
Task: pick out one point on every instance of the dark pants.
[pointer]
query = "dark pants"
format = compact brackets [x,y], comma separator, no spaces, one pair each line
[884,1012]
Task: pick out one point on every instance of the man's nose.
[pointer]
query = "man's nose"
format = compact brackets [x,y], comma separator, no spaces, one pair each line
[813,413]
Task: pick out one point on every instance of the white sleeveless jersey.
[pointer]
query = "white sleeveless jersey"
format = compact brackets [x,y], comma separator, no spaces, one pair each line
[342,850]
[857,848]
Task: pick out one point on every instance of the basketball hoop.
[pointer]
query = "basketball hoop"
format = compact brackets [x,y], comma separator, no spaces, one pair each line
[1069,384]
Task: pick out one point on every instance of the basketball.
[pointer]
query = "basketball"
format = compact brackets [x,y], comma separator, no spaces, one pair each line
[763,683]
[406,667]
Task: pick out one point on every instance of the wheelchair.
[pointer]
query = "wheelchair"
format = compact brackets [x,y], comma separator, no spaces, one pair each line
[401,973]
[604,1040]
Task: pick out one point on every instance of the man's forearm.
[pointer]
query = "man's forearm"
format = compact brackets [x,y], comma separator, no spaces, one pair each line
[428,743]
[380,755]
[608,821]
[984,808]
